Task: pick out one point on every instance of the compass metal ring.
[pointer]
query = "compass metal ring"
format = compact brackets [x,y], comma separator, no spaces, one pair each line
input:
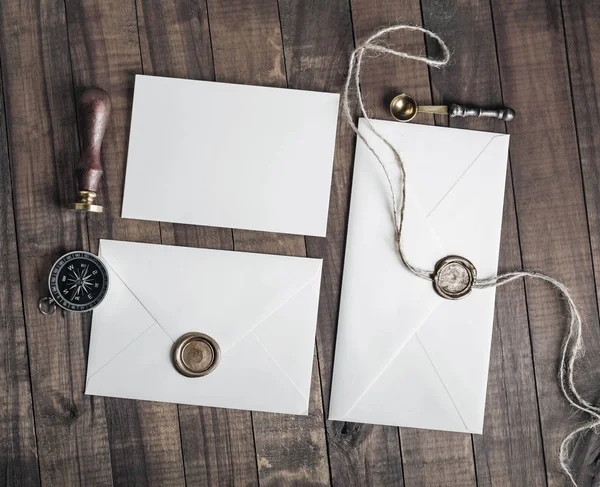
[78,281]
[48,309]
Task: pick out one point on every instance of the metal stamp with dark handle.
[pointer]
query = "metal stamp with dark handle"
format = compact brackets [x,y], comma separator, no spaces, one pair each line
[404,108]
[94,109]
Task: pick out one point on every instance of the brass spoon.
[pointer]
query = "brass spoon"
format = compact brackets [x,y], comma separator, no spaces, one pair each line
[404,108]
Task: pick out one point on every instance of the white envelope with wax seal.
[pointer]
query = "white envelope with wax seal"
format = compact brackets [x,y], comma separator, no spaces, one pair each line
[404,355]
[261,310]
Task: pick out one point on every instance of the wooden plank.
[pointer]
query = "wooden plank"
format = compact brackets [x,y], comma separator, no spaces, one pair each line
[318,40]
[583,48]
[19,463]
[581,20]
[144,436]
[42,139]
[246,40]
[550,210]
[217,444]
[510,450]
[429,457]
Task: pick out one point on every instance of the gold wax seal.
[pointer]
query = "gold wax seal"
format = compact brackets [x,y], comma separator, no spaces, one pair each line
[454,277]
[196,354]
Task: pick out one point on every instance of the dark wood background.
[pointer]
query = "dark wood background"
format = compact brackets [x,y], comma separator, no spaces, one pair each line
[541,57]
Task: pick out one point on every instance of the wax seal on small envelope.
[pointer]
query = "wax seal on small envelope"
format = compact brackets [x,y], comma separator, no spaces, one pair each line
[196,354]
[454,277]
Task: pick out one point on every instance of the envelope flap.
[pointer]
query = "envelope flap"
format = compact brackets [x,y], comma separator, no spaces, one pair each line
[224,294]
[457,339]
[435,158]
[123,318]
[244,381]
[468,218]
[382,309]
[287,330]
[409,388]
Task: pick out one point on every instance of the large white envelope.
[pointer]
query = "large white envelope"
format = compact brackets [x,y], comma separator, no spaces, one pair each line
[231,156]
[405,356]
[261,310]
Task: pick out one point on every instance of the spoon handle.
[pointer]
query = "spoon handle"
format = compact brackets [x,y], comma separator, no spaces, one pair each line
[435,109]
[506,114]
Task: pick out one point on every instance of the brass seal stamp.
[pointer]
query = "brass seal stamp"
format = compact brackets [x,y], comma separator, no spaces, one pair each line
[454,277]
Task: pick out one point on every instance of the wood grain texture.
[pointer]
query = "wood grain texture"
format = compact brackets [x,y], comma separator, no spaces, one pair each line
[550,210]
[542,57]
[318,40]
[18,445]
[144,437]
[510,450]
[42,137]
[582,32]
[429,457]
[290,450]
[217,444]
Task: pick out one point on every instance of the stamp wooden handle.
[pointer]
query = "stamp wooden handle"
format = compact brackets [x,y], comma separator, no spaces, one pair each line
[94,109]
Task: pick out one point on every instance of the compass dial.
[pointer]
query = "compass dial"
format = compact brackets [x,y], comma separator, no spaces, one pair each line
[78,281]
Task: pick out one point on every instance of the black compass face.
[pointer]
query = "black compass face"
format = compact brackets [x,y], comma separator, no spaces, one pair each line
[78,281]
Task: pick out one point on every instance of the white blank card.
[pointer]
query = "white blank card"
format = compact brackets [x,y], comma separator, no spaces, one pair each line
[233,156]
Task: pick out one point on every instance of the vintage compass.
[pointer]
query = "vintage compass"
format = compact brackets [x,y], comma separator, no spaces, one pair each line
[78,282]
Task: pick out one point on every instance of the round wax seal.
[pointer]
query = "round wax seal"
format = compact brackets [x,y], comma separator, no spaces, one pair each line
[196,354]
[454,277]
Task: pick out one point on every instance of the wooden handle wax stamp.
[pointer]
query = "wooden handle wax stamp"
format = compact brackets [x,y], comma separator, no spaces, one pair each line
[94,109]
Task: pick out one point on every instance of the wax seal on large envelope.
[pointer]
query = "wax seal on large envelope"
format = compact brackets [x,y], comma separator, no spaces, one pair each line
[196,354]
[454,277]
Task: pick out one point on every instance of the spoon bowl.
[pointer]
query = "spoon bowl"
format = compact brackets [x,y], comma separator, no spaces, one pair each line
[404,108]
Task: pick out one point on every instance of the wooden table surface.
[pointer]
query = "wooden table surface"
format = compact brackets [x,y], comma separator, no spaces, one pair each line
[541,57]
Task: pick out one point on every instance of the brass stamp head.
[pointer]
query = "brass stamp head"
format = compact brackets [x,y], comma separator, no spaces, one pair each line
[86,202]
[196,354]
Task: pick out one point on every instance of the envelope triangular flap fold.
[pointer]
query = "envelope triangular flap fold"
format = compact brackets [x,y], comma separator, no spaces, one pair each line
[436,158]
[468,218]
[145,372]
[283,342]
[124,320]
[410,389]
[457,338]
[224,294]
[378,316]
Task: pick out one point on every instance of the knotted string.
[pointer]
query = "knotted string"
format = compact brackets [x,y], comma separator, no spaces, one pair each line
[572,347]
